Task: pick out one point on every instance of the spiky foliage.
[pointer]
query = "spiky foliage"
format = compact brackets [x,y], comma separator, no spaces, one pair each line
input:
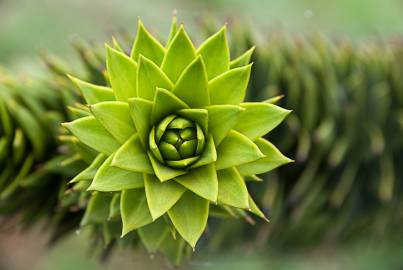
[345,135]
[174,137]
[32,178]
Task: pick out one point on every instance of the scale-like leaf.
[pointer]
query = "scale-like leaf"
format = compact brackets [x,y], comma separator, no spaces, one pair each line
[202,181]
[93,93]
[132,156]
[114,116]
[232,189]
[242,60]
[89,131]
[122,74]
[165,102]
[178,56]
[134,210]
[145,44]
[161,196]
[152,235]
[192,85]
[215,53]
[140,111]
[149,77]
[109,178]
[259,118]
[230,87]
[273,159]
[189,216]
[236,149]
[221,119]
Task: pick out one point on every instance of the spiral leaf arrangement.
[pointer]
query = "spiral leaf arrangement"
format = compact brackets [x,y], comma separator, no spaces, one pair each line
[173,134]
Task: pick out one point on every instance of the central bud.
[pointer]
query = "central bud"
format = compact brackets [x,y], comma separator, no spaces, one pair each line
[177,141]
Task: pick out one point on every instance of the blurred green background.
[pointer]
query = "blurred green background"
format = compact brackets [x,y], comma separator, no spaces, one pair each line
[28,26]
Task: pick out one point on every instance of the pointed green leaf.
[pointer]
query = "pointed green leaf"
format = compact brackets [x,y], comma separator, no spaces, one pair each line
[255,209]
[149,77]
[242,60]
[114,116]
[221,119]
[202,181]
[145,44]
[189,216]
[97,210]
[90,132]
[110,178]
[140,111]
[134,210]
[93,93]
[273,159]
[173,30]
[259,118]
[215,53]
[230,87]
[200,116]
[232,189]
[132,156]
[163,172]
[236,149]
[178,55]
[122,74]
[152,235]
[209,154]
[89,172]
[161,196]
[192,85]
[165,103]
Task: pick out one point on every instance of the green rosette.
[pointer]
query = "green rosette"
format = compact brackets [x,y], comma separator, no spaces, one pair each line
[175,140]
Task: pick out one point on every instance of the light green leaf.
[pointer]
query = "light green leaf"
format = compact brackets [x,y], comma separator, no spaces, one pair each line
[202,181]
[215,53]
[114,116]
[230,87]
[165,103]
[259,118]
[273,159]
[200,116]
[236,149]
[110,178]
[232,189]
[152,235]
[149,77]
[93,93]
[255,209]
[173,31]
[134,210]
[122,74]
[242,60]
[132,156]
[140,111]
[178,56]
[221,119]
[189,216]
[90,132]
[89,172]
[161,196]
[209,154]
[145,44]
[192,85]
[97,210]
[163,172]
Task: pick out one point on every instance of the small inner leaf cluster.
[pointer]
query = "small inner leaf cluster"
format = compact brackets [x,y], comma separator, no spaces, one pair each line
[174,137]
